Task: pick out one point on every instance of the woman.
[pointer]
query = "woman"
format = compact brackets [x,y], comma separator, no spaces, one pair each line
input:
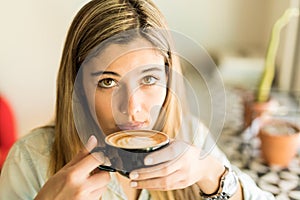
[117,72]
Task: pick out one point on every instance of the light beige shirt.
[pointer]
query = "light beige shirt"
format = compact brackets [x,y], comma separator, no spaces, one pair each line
[25,169]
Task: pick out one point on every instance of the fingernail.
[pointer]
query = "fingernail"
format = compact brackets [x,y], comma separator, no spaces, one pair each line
[133,175]
[148,161]
[133,184]
[107,162]
[92,141]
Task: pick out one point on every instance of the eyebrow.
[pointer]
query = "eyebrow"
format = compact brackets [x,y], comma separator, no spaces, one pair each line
[152,69]
[98,73]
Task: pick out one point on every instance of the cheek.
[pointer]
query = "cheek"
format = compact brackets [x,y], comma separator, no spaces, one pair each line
[103,110]
[155,102]
[156,98]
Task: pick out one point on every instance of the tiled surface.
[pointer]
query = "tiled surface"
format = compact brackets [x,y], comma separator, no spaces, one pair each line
[243,150]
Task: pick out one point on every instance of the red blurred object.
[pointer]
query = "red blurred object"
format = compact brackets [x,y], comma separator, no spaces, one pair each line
[8,133]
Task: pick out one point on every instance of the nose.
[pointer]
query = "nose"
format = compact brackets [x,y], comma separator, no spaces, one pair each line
[134,103]
[131,103]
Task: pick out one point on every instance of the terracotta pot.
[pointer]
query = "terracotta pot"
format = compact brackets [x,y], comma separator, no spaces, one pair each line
[279,148]
[253,109]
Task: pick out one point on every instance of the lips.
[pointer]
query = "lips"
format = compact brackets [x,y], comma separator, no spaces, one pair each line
[132,126]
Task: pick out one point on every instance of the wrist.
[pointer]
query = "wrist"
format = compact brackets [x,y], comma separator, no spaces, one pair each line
[228,186]
[211,176]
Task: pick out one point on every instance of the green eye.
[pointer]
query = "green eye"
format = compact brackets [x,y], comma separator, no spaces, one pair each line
[149,80]
[107,83]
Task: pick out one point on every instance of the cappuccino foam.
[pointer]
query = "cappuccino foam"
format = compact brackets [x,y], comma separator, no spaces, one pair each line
[137,139]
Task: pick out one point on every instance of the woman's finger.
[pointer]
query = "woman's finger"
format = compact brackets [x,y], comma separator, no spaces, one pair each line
[89,163]
[156,171]
[175,180]
[100,179]
[171,152]
[91,143]
[96,184]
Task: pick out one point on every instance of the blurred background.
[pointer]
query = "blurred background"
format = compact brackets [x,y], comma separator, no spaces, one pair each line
[235,33]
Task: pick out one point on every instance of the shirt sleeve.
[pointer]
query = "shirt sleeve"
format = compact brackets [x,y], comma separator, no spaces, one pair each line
[19,178]
[250,190]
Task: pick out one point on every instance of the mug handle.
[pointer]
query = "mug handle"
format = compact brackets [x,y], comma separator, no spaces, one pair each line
[103,167]
[107,168]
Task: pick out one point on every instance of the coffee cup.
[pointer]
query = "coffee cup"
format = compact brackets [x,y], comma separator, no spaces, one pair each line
[127,149]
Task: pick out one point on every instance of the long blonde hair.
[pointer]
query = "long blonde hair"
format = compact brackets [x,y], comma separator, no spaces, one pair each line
[97,21]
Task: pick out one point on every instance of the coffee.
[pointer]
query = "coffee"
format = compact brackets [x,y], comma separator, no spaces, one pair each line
[137,140]
[128,149]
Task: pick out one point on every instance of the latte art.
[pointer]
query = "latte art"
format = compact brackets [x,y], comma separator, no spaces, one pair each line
[137,139]
[135,142]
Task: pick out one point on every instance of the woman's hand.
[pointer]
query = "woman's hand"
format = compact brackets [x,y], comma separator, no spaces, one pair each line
[79,179]
[181,167]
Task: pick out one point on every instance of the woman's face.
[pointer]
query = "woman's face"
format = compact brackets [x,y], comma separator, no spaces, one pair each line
[126,86]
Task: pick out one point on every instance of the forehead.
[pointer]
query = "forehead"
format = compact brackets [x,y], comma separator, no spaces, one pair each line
[118,57]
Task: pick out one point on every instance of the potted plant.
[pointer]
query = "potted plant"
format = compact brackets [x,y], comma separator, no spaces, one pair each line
[280,140]
[261,101]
